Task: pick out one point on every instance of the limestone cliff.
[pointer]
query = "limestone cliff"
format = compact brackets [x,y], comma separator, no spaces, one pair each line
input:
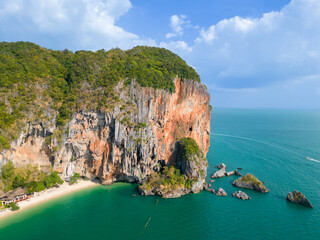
[127,143]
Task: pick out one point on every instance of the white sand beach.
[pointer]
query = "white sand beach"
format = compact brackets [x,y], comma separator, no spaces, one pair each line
[47,195]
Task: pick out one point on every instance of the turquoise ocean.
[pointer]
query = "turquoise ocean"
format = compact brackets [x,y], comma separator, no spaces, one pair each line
[281,148]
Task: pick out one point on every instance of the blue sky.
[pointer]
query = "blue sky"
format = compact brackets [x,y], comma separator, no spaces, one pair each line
[249,53]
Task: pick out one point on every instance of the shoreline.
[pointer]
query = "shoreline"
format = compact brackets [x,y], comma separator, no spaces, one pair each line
[48,195]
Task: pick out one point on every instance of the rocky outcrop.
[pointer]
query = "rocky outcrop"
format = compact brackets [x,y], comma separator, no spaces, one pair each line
[175,193]
[221,192]
[221,172]
[126,143]
[192,163]
[208,188]
[299,198]
[235,172]
[241,195]
[187,174]
[251,182]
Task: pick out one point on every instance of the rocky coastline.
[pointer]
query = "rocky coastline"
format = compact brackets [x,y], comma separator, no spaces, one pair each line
[186,175]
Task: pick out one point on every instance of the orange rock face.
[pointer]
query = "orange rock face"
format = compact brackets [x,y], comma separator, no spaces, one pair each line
[186,114]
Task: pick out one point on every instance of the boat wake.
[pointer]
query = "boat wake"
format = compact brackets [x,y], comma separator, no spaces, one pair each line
[313,160]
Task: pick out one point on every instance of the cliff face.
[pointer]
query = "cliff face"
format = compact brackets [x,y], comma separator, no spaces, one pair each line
[125,144]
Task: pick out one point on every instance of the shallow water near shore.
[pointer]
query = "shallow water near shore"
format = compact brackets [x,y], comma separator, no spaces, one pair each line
[281,148]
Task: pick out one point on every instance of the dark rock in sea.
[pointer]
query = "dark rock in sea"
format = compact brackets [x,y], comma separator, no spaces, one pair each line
[221,192]
[237,173]
[251,182]
[222,165]
[299,198]
[241,195]
[208,188]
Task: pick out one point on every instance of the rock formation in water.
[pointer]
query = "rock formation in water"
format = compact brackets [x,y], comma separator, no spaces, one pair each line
[251,182]
[241,195]
[209,188]
[221,172]
[221,192]
[299,198]
[186,173]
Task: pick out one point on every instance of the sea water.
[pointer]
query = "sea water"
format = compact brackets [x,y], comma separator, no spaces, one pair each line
[281,148]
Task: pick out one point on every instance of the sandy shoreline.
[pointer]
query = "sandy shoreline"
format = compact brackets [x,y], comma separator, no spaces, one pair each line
[48,195]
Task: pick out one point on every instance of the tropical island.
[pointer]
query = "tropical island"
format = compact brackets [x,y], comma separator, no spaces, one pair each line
[139,115]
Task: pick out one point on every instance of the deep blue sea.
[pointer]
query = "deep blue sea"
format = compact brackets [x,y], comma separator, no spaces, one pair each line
[281,148]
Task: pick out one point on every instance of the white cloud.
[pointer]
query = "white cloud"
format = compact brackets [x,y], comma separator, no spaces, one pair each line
[177,24]
[76,24]
[252,52]
[176,46]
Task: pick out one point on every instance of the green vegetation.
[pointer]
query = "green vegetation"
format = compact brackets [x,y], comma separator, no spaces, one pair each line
[189,147]
[249,178]
[35,187]
[74,178]
[140,125]
[7,170]
[251,182]
[30,178]
[36,82]
[298,195]
[14,206]
[169,179]
[125,121]
[53,179]
[18,181]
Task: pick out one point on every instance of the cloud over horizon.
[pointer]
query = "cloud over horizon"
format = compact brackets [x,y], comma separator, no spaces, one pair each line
[253,52]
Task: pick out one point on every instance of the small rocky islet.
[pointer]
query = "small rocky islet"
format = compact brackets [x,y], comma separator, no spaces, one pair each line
[241,195]
[250,182]
[221,192]
[298,198]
